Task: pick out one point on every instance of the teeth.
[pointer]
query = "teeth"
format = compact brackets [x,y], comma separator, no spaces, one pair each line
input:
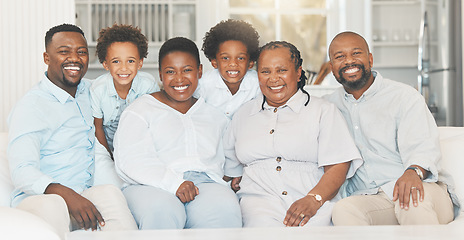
[233,72]
[72,68]
[124,75]
[277,88]
[352,70]
[180,88]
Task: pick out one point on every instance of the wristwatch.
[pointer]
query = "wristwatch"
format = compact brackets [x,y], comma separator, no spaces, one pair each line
[317,197]
[418,171]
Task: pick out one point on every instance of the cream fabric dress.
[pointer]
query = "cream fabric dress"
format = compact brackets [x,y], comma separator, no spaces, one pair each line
[281,153]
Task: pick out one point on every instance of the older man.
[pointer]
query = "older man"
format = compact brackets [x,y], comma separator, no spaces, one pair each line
[397,136]
[51,144]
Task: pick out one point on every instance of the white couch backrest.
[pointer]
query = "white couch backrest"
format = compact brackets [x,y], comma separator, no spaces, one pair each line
[452,150]
[6,186]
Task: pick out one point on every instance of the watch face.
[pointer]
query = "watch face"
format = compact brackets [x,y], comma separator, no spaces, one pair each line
[318,197]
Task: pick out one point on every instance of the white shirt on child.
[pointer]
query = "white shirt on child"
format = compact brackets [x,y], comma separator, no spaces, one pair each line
[215,92]
[107,104]
[155,144]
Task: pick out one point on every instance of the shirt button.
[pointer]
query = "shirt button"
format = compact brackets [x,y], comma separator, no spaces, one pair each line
[278,159]
[117,107]
[284,193]
[272,131]
[275,110]
[356,127]
[278,168]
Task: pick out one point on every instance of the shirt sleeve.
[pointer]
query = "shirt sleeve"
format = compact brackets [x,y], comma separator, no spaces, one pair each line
[334,131]
[95,101]
[232,166]
[136,158]
[418,139]
[27,133]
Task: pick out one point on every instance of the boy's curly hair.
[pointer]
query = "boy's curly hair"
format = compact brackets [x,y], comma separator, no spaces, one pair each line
[121,33]
[231,30]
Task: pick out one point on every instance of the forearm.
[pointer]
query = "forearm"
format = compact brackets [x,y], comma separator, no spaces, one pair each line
[100,133]
[331,181]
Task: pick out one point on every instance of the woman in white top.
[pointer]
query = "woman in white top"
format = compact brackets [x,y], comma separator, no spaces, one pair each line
[168,146]
[287,153]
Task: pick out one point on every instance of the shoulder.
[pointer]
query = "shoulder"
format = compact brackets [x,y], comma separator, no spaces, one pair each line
[214,112]
[248,108]
[145,77]
[399,91]
[142,103]
[335,96]
[209,76]
[100,83]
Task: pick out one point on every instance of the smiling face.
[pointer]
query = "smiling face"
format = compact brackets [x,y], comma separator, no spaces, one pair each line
[67,58]
[351,62]
[179,74]
[278,78]
[123,61]
[232,61]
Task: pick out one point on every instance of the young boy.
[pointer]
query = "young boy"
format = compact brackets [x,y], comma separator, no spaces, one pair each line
[121,50]
[232,48]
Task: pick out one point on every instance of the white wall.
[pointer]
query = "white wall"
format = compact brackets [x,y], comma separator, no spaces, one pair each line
[23,24]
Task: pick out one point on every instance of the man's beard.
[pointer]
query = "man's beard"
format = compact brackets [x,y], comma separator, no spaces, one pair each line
[68,82]
[357,84]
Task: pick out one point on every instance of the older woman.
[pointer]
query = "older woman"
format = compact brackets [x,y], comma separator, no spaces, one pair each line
[294,151]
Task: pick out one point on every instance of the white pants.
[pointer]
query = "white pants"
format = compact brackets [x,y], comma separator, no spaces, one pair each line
[215,207]
[108,199]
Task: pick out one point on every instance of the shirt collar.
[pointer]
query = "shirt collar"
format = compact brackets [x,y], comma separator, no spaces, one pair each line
[112,90]
[295,103]
[245,85]
[371,91]
[61,95]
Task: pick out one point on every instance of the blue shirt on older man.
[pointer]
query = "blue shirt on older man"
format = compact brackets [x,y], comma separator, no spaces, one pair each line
[51,140]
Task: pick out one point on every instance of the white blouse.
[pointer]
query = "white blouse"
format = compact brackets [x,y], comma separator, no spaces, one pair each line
[155,144]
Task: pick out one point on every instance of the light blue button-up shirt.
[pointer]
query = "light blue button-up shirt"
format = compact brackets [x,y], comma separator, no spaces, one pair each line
[393,129]
[51,140]
[107,104]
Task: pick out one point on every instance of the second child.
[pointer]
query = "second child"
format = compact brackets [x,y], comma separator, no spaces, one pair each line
[232,48]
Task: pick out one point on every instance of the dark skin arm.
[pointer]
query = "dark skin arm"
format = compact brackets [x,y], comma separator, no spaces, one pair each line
[100,134]
[83,210]
[327,187]
[404,188]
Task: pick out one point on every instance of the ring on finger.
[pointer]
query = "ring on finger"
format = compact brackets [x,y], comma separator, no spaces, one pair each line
[302,215]
[413,188]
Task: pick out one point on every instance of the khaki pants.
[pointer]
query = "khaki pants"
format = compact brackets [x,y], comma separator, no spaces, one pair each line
[378,209]
[108,199]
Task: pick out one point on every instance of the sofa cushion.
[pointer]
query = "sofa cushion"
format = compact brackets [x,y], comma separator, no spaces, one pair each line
[452,149]
[19,224]
[6,186]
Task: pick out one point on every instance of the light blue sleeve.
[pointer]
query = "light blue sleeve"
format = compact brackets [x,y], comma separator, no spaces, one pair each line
[28,130]
[96,95]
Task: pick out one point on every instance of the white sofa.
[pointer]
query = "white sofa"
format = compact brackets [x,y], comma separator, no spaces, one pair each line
[451,140]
